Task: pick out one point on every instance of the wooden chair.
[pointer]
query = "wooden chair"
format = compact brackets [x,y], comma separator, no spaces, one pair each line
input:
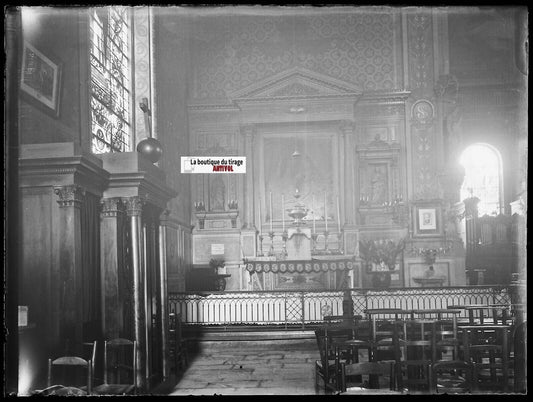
[177,343]
[385,339]
[488,347]
[417,345]
[361,338]
[452,377]
[381,370]
[89,353]
[120,368]
[334,330]
[71,368]
[446,322]
[519,357]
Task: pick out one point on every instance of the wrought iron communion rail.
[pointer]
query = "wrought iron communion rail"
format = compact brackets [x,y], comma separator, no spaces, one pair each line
[309,307]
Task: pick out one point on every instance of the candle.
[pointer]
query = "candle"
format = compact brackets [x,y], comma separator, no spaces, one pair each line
[260,220]
[338,215]
[271,211]
[326,210]
[313,202]
[283,211]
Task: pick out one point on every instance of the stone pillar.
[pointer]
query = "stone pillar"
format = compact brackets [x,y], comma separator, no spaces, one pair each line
[134,207]
[111,259]
[248,133]
[163,290]
[69,283]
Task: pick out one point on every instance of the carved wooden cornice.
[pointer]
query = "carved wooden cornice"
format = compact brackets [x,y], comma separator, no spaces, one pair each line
[132,175]
[52,171]
[393,97]
[227,107]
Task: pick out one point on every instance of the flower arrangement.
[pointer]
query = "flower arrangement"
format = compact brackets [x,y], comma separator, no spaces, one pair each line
[381,251]
[430,254]
[216,262]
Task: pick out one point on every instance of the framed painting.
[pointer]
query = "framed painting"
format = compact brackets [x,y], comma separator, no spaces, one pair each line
[427,220]
[40,79]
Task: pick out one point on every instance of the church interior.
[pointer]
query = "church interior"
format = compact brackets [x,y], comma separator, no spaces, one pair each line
[374,173]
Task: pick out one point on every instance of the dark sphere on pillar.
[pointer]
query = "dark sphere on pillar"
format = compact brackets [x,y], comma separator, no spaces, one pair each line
[151,148]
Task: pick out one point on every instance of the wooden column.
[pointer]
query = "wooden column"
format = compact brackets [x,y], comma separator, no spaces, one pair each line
[69,282]
[163,290]
[111,247]
[134,210]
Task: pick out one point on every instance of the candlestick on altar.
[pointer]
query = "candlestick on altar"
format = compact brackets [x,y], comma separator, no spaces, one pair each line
[260,220]
[338,215]
[313,202]
[271,211]
[283,211]
[326,210]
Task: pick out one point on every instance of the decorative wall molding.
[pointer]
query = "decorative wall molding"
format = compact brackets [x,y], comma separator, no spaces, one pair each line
[296,82]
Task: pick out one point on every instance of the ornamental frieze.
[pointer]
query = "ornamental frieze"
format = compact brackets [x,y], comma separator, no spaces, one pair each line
[299,266]
[420,44]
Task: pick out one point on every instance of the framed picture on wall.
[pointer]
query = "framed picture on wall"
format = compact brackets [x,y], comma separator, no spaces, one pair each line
[427,220]
[40,79]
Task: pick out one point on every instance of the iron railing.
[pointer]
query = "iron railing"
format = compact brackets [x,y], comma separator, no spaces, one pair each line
[289,308]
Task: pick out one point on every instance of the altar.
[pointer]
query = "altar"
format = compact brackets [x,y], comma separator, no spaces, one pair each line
[313,274]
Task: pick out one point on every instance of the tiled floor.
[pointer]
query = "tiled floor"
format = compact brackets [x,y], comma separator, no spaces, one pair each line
[251,367]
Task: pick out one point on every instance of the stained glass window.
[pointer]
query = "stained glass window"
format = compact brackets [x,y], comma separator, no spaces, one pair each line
[110,80]
[483,169]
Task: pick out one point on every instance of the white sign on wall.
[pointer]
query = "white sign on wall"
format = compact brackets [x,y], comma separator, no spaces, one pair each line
[217,249]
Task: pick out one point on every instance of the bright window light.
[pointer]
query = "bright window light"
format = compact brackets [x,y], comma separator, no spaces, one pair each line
[483,169]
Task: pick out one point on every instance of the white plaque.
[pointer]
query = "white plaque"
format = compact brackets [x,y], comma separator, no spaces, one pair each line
[217,249]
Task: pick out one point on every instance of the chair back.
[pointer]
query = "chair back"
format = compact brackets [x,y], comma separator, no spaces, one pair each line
[70,376]
[89,353]
[419,338]
[381,369]
[120,362]
[453,377]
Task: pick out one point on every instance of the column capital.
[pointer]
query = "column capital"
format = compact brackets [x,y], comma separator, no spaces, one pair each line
[134,205]
[248,130]
[347,127]
[164,216]
[111,207]
[71,195]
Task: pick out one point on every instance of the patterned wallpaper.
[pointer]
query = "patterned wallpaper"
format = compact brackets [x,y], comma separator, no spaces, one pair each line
[232,52]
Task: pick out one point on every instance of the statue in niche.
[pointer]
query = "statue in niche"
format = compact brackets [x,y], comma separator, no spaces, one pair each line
[378,184]
[217,194]
[453,131]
